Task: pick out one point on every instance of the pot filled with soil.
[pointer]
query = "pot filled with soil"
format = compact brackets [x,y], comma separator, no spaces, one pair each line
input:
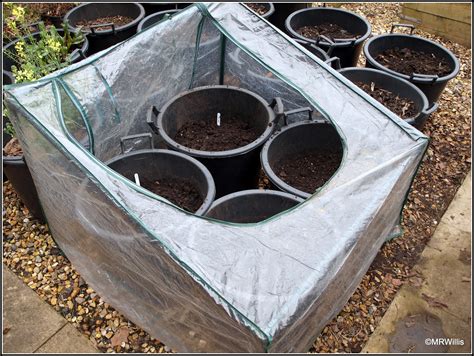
[78,52]
[264,9]
[17,172]
[154,7]
[302,157]
[251,206]
[396,94]
[222,126]
[424,63]
[106,24]
[53,13]
[181,179]
[154,18]
[337,31]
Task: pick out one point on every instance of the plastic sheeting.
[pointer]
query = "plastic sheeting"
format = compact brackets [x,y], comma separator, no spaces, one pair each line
[194,283]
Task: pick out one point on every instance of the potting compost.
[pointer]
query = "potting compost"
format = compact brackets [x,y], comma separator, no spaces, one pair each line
[194,283]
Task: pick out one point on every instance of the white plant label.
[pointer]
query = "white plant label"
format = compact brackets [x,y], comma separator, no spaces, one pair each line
[218,119]
[137,180]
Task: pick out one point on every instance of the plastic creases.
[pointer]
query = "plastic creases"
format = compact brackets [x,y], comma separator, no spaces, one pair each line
[194,283]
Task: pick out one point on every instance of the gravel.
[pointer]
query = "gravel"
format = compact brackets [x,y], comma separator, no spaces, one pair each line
[31,253]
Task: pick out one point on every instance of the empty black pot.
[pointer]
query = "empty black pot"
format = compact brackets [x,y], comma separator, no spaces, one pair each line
[235,169]
[102,39]
[295,139]
[397,86]
[270,9]
[431,85]
[251,206]
[347,50]
[78,54]
[152,164]
[154,18]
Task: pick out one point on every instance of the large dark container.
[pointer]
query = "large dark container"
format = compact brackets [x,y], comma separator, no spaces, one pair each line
[347,50]
[154,7]
[398,86]
[285,9]
[154,18]
[431,85]
[251,206]
[233,170]
[165,164]
[102,39]
[76,55]
[300,137]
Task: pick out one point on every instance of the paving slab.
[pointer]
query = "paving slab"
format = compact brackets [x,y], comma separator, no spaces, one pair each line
[435,315]
[31,325]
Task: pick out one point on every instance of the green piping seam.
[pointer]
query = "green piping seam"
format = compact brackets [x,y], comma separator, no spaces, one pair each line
[62,123]
[81,110]
[222,64]
[123,207]
[196,50]
[109,91]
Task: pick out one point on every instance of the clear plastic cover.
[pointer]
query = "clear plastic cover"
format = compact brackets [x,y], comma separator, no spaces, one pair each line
[194,283]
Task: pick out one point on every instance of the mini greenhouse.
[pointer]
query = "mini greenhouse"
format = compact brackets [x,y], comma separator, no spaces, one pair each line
[198,284]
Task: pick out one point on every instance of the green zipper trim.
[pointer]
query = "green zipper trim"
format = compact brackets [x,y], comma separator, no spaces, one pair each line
[116,115]
[82,112]
[222,59]
[196,50]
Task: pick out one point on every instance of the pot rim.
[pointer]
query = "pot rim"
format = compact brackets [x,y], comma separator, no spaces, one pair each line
[376,64]
[295,34]
[106,32]
[240,193]
[216,154]
[145,19]
[394,77]
[272,176]
[211,191]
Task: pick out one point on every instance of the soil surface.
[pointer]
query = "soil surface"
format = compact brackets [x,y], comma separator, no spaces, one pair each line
[179,192]
[116,20]
[13,148]
[327,29]
[207,136]
[257,7]
[408,61]
[310,170]
[403,107]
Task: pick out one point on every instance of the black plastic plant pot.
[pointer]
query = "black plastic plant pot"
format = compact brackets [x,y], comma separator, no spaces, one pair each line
[398,86]
[99,37]
[232,169]
[153,165]
[270,9]
[17,172]
[154,18]
[431,85]
[154,7]
[347,50]
[283,10]
[320,53]
[301,138]
[251,206]
[78,53]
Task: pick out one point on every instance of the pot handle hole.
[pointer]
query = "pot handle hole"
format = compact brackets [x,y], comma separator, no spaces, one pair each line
[134,137]
[431,110]
[431,77]
[93,27]
[278,108]
[336,60]
[296,111]
[405,25]
[151,118]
